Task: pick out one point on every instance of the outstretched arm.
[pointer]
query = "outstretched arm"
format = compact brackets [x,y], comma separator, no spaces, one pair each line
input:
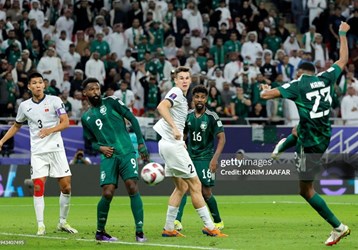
[268,93]
[10,133]
[343,50]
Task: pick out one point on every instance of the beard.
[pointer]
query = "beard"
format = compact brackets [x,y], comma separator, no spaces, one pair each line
[199,107]
[95,100]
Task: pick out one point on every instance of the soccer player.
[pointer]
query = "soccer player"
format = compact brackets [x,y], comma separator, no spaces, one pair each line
[46,116]
[104,124]
[178,165]
[312,95]
[203,126]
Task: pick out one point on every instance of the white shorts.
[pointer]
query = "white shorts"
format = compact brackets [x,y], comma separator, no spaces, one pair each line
[177,159]
[52,164]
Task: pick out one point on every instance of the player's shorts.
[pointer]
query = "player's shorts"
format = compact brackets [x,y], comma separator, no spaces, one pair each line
[52,164]
[202,169]
[308,160]
[111,168]
[177,159]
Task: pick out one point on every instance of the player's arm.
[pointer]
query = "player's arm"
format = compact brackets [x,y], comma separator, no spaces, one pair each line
[64,123]
[219,148]
[268,93]
[163,109]
[10,133]
[142,149]
[343,50]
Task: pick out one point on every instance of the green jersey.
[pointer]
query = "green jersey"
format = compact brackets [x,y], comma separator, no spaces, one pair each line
[202,131]
[105,126]
[313,98]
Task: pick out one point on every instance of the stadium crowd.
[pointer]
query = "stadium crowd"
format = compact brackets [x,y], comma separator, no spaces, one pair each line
[131,47]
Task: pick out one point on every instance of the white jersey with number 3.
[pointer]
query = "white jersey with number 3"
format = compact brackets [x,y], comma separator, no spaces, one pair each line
[44,114]
[178,111]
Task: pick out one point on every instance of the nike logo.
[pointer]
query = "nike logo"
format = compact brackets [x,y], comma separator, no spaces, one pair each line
[67,171]
[29,110]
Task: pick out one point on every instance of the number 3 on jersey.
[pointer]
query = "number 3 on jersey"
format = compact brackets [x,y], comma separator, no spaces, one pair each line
[317,96]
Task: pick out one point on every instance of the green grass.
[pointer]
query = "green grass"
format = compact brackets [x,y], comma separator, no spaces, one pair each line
[252,222]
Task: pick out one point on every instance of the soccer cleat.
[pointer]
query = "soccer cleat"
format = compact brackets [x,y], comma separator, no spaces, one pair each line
[103,236]
[219,225]
[41,230]
[177,225]
[174,233]
[65,227]
[213,233]
[275,154]
[139,237]
[336,235]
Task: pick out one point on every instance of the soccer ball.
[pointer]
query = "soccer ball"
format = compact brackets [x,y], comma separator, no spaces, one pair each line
[152,173]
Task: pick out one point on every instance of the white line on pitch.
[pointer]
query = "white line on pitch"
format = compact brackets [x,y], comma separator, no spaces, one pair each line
[114,242]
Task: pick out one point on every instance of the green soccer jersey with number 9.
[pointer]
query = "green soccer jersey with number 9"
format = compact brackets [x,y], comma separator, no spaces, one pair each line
[105,126]
[201,132]
[313,98]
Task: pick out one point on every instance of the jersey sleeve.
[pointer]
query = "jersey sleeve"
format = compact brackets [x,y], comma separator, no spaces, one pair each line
[118,105]
[89,136]
[331,75]
[21,117]
[289,90]
[59,106]
[172,95]
[217,124]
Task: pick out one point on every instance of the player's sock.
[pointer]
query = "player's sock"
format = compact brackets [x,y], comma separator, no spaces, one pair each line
[64,206]
[102,213]
[321,207]
[213,207]
[205,216]
[181,207]
[39,204]
[137,210]
[171,215]
[290,142]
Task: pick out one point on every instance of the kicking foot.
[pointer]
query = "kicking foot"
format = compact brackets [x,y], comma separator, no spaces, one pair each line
[336,235]
[219,225]
[177,225]
[275,154]
[65,227]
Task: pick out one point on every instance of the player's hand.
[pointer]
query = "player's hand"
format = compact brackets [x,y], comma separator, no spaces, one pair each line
[44,132]
[344,27]
[213,165]
[143,151]
[176,133]
[264,87]
[107,151]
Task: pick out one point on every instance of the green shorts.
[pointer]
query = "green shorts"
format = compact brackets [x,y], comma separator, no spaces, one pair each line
[204,173]
[125,166]
[308,160]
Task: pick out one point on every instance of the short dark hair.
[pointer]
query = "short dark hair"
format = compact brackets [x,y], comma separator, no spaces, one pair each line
[200,89]
[89,80]
[35,75]
[181,69]
[307,66]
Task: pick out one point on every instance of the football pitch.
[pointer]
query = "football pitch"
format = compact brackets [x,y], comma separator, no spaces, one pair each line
[252,222]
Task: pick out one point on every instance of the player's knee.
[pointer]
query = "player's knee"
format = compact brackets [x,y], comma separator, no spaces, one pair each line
[206,194]
[66,189]
[132,187]
[39,187]
[108,194]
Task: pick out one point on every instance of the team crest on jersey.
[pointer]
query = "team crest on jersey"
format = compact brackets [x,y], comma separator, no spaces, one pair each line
[203,125]
[103,175]
[103,110]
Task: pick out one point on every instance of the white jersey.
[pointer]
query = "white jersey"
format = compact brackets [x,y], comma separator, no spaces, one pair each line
[44,114]
[178,111]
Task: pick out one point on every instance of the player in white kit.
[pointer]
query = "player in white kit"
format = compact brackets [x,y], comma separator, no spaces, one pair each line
[46,117]
[178,165]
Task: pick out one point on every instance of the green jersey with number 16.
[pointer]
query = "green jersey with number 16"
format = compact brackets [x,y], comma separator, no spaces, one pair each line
[202,132]
[313,98]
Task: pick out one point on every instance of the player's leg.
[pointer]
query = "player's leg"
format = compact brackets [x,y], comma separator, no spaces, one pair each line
[177,223]
[285,143]
[213,206]
[173,207]
[129,172]
[108,182]
[308,164]
[39,171]
[201,208]
[60,170]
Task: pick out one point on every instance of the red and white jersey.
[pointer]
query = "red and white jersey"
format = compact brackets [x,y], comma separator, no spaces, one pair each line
[44,114]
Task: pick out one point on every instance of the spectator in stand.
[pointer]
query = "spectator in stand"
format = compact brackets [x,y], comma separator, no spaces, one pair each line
[125,95]
[353,32]
[240,106]
[80,158]
[257,112]
[349,107]
[180,27]
[268,70]
[286,69]
[290,44]
[62,44]
[76,83]
[193,16]
[66,23]
[95,68]
[281,30]
[251,48]
[76,103]
[235,66]
[83,14]
[319,53]
[117,15]
[214,102]
[334,22]
[70,60]
[37,13]
[50,67]
[315,8]
[134,33]
[118,42]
